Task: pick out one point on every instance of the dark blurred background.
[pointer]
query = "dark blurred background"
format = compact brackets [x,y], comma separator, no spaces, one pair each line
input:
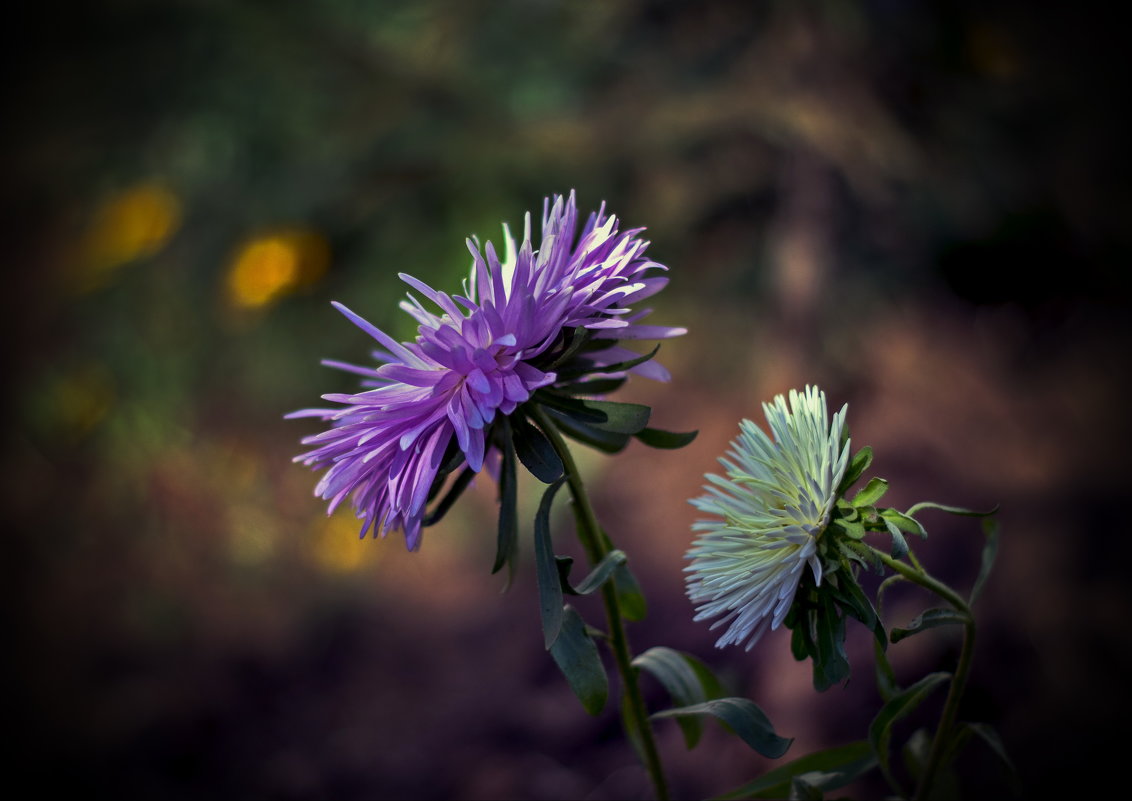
[920,206]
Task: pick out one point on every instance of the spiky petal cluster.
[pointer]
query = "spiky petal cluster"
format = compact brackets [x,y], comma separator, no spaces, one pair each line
[476,357]
[773,505]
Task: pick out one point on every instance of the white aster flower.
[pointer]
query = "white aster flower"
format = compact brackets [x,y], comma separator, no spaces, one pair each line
[773,505]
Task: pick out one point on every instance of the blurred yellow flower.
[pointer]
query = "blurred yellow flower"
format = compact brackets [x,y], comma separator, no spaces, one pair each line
[129,225]
[271,265]
[337,548]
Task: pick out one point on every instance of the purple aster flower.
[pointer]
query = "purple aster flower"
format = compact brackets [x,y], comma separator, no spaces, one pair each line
[482,353]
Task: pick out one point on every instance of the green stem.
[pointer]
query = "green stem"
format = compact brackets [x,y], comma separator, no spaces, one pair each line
[917,575]
[594,543]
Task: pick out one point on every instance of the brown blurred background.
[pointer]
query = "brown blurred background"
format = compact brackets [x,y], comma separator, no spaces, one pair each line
[921,207]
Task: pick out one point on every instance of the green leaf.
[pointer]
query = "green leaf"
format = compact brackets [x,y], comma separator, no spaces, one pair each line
[546,570]
[899,705]
[687,680]
[840,765]
[576,655]
[507,542]
[620,418]
[854,601]
[831,665]
[955,510]
[632,601]
[605,441]
[870,493]
[575,340]
[583,366]
[990,737]
[593,386]
[904,522]
[535,451]
[454,492]
[990,550]
[601,573]
[744,717]
[929,619]
[899,544]
[576,409]
[658,438]
[857,465]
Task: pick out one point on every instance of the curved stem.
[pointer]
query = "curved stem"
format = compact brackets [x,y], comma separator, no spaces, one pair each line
[917,575]
[594,543]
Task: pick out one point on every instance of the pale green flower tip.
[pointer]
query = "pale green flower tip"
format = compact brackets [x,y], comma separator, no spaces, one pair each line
[775,502]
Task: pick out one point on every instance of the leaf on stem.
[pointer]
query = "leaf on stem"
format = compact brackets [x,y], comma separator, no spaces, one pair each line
[825,770]
[605,441]
[535,451]
[600,574]
[575,653]
[670,440]
[507,541]
[687,680]
[744,717]
[870,493]
[857,465]
[899,705]
[929,619]
[546,570]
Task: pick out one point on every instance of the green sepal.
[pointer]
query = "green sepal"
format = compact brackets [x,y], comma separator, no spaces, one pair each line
[593,386]
[870,493]
[583,366]
[546,570]
[604,441]
[575,653]
[600,574]
[669,440]
[687,680]
[535,451]
[454,492]
[904,522]
[929,619]
[858,464]
[742,716]
[824,770]
[899,705]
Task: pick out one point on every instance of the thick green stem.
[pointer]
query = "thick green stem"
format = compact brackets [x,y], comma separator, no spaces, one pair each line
[594,543]
[958,682]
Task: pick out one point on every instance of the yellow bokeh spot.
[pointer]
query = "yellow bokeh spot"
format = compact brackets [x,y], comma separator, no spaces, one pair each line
[270,266]
[337,547]
[130,225]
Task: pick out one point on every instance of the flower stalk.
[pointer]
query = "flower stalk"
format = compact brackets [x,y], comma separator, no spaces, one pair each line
[593,542]
[917,575]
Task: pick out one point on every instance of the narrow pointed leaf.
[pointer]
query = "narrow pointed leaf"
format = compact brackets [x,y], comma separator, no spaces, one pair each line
[535,451]
[682,681]
[576,655]
[546,570]
[605,441]
[990,550]
[744,717]
[904,522]
[582,365]
[858,464]
[929,619]
[870,493]
[899,544]
[507,541]
[632,601]
[620,418]
[601,573]
[990,737]
[843,764]
[454,492]
[854,601]
[955,510]
[899,705]
[576,409]
[670,440]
